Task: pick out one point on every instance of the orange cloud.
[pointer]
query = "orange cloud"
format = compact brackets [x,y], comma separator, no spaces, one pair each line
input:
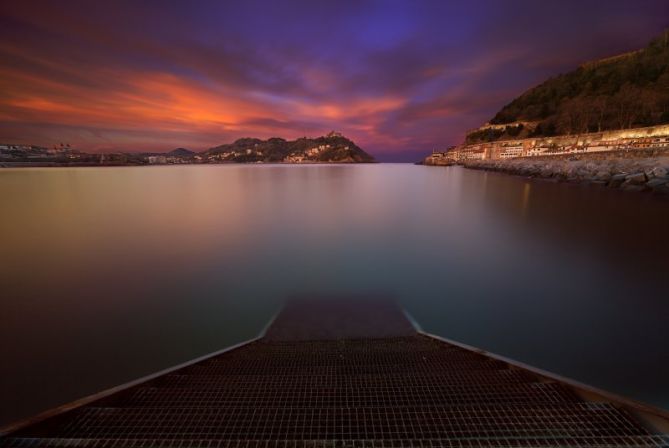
[350,108]
[159,101]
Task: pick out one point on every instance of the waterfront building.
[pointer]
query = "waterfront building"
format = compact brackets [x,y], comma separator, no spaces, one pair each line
[655,137]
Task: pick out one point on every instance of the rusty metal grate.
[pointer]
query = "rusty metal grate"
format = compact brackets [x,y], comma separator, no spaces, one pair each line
[296,358]
[572,442]
[585,420]
[402,390]
[482,377]
[258,368]
[414,342]
[299,396]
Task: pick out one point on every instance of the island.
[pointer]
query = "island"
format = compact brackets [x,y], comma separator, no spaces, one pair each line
[330,148]
[605,123]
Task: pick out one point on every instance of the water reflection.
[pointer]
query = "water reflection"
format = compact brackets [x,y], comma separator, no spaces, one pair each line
[109,274]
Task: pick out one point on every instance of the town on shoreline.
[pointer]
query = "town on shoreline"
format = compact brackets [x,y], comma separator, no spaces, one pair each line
[330,148]
[631,159]
[654,137]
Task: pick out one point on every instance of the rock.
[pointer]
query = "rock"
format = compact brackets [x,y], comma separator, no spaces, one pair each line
[634,174]
[659,171]
[547,171]
[617,180]
[568,172]
[656,182]
[635,179]
[603,175]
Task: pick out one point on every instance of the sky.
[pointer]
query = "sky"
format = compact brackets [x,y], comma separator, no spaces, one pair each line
[400,78]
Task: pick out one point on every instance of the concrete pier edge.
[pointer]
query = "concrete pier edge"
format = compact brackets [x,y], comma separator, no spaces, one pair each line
[22,423]
[655,418]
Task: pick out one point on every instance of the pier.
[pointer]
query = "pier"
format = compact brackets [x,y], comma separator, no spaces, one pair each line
[347,373]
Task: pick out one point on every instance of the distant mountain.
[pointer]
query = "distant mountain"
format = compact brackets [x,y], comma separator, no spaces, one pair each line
[621,92]
[180,152]
[332,147]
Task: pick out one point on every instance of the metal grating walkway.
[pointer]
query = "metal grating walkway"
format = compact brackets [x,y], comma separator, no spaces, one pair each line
[351,374]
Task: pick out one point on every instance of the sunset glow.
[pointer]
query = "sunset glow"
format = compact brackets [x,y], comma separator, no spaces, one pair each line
[398,78]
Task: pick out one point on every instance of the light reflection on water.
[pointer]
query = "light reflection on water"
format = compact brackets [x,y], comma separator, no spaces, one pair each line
[108,274]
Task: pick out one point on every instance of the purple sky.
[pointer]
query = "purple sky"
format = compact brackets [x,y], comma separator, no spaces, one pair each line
[399,78]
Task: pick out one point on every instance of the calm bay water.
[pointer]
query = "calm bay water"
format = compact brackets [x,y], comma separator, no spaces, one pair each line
[108,274]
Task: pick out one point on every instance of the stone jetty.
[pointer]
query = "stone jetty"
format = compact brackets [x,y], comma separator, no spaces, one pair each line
[634,171]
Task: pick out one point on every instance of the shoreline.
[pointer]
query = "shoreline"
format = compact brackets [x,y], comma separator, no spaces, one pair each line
[626,170]
[111,165]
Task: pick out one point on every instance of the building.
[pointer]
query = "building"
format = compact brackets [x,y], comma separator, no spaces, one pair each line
[157,160]
[655,137]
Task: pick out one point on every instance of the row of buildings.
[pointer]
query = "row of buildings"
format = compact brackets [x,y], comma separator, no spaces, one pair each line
[9,150]
[11,154]
[310,154]
[639,138]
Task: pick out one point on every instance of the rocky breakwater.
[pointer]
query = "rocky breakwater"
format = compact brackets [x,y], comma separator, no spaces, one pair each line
[436,161]
[647,174]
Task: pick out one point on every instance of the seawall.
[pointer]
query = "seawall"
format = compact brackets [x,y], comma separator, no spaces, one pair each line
[628,170]
[655,137]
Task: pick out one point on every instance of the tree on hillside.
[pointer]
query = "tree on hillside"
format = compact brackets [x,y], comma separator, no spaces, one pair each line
[574,117]
[616,93]
[624,106]
[600,106]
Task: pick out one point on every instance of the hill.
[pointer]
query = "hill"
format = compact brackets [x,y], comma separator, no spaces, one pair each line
[181,152]
[625,91]
[333,147]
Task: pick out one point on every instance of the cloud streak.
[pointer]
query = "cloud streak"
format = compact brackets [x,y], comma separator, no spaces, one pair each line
[398,77]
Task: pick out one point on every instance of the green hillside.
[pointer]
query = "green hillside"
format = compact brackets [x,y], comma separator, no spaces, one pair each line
[333,147]
[625,91]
